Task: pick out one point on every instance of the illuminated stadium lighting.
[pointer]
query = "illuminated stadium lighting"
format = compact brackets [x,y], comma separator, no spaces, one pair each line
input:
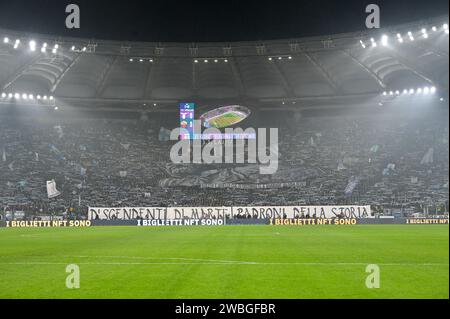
[270,59]
[419,91]
[362,44]
[384,93]
[215,61]
[433,90]
[384,40]
[31,96]
[226,60]
[397,92]
[391,93]
[426,90]
[25,96]
[405,91]
[32,45]
[56,108]
[51,98]
[3,95]
[56,46]
[141,60]
[446,31]
[72,48]
[84,49]
[374,44]
[289,57]
[206,61]
[441,99]
[5,40]
[16,44]
[411,37]
[131,60]
[280,58]
[54,51]
[445,26]
[151,60]
[195,61]
[434,29]
[411,91]
[10,95]
[45,97]
[38,97]
[425,34]
[154,104]
[17,96]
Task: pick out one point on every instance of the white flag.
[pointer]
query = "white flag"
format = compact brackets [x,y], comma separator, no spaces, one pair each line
[341,166]
[123,173]
[51,189]
[4,155]
[428,157]
[125,146]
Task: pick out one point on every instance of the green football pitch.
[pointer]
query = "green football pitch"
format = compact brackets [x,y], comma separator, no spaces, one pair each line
[226,262]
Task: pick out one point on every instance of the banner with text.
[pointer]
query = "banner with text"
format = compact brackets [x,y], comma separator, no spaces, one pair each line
[258,212]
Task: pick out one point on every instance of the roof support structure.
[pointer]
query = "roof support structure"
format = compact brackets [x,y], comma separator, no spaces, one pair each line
[147,93]
[407,66]
[431,49]
[61,76]
[104,77]
[194,78]
[237,76]
[324,73]
[365,67]
[20,72]
[287,86]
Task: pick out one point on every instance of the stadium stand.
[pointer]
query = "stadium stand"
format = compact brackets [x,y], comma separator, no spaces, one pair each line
[390,160]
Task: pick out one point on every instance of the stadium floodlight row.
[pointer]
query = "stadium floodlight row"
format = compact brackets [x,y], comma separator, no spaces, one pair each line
[26,96]
[28,99]
[423,33]
[365,40]
[426,90]
[316,70]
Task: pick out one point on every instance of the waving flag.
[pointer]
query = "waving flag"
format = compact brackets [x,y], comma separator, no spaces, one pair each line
[51,189]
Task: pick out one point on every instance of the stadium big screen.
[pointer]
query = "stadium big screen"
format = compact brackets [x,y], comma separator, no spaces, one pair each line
[306,165]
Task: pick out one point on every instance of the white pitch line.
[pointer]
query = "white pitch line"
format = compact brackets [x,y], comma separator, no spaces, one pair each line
[221,263]
[160,258]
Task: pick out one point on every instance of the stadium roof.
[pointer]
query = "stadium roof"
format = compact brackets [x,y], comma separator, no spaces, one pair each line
[344,67]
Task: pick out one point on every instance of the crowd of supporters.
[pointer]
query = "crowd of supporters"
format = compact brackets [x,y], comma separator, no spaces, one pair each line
[388,161]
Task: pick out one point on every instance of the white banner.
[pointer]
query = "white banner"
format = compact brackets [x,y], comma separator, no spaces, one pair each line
[261,212]
[51,189]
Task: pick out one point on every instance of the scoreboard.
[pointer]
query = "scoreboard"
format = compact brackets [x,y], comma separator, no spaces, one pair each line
[187,119]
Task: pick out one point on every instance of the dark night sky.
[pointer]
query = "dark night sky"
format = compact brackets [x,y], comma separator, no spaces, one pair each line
[187,20]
